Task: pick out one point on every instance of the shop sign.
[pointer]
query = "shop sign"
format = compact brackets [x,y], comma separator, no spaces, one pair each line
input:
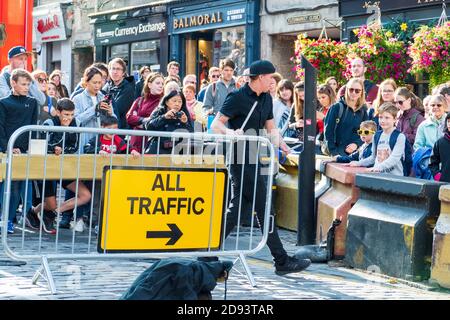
[132,30]
[304,19]
[359,7]
[209,19]
[161,209]
[48,24]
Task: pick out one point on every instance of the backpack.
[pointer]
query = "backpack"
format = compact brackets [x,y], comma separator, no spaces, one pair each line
[421,160]
[407,157]
[324,146]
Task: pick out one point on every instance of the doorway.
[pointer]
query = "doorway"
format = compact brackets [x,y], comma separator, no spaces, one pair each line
[199,54]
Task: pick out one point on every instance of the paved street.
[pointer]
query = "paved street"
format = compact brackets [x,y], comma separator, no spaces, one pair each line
[99,280]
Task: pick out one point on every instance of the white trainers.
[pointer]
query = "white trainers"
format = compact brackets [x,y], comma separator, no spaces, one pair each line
[79,226]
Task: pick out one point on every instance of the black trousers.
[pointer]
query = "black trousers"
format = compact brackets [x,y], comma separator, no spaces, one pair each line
[248,187]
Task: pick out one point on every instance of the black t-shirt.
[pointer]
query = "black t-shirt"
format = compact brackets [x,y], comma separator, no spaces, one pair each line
[238,104]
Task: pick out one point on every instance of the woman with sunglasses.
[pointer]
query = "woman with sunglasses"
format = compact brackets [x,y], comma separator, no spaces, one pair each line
[344,119]
[430,130]
[385,94]
[48,110]
[411,112]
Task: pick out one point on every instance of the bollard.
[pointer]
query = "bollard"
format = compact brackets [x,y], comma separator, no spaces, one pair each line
[440,265]
[336,203]
[390,227]
[286,201]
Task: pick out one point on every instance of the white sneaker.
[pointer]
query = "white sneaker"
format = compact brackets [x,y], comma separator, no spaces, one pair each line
[79,226]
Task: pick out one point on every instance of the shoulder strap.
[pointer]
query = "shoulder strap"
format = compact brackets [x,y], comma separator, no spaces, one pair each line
[340,112]
[338,118]
[214,89]
[376,138]
[393,138]
[8,79]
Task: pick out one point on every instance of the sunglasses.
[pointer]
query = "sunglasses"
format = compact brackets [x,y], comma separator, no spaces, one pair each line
[365,132]
[42,80]
[400,102]
[215,76]
[357,91]
[435,105]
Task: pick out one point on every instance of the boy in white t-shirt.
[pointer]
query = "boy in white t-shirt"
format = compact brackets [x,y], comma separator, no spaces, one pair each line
[383,158]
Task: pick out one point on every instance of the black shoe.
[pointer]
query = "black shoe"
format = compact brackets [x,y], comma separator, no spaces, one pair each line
[31,219]
[48,221]
[292,265]
[65,221]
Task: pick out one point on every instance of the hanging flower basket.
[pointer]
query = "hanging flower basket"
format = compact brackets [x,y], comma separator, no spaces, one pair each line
[430,53]
[327,56]
[384,55]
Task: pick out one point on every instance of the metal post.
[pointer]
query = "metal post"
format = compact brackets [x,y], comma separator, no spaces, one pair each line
[306,171]
[45,272]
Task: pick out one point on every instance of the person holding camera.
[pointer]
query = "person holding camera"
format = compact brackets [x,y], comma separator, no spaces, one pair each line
[91,103]
[172,114]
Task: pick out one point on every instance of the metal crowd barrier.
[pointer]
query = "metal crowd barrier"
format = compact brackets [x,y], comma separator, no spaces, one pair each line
[178,208]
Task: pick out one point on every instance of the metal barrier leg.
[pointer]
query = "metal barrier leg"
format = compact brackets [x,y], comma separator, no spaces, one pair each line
[45,272]
[248,272]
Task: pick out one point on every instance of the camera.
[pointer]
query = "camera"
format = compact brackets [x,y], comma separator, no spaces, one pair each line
[107,99]
[179,114]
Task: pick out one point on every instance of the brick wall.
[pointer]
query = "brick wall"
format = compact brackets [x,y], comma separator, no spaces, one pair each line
[282,51]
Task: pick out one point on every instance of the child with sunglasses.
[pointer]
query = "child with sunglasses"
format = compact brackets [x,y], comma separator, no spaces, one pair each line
[389,145]
[366,131]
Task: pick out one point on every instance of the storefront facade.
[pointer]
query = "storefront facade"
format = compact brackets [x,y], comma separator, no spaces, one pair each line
[356,13]
[52,39]
[283,20]
[138,35]
[204,32]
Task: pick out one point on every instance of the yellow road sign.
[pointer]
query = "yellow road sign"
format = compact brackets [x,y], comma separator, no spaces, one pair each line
[161,209]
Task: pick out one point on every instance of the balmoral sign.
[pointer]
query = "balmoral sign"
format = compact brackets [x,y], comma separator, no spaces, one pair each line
[197,20]
[218,17]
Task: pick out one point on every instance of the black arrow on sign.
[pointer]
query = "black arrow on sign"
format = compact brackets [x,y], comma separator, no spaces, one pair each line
[174,234]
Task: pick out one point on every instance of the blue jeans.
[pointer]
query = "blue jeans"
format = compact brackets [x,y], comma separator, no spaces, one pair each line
[17,193]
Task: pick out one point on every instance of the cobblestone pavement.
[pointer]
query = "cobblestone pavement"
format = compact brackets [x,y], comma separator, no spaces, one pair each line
[87,279]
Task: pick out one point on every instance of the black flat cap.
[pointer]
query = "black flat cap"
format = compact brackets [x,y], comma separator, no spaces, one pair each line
[261,67]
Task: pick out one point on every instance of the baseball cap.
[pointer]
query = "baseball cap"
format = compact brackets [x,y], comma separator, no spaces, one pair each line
[261,67]
[17,50]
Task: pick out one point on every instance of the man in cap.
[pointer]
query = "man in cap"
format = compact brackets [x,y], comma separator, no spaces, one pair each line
[237,108]
[17,57]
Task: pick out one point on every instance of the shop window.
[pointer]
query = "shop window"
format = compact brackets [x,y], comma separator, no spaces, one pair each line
[119,51]
[145,53]
[230,43]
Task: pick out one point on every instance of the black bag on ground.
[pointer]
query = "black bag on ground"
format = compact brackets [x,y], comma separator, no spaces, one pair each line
[177,279]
